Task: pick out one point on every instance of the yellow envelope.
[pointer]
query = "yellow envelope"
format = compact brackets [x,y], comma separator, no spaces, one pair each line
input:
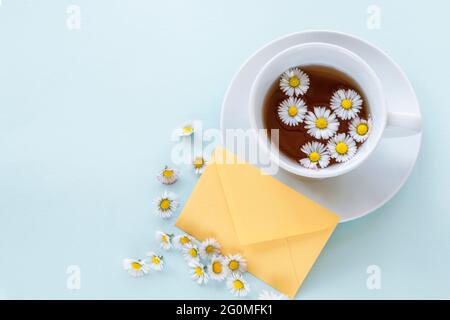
[278,230]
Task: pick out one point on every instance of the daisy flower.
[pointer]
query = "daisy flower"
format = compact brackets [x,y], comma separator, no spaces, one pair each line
[292,111]
[198,272]
[181,241]
[360,129]
[209,247]
[237,285]
[342,147]
[199,164]
[135,267]
[191,252]
[316,155]
[294,82]
[322,123]
[187,129]
[168,175]
[270,295]
[163,239]
[166,204]
[236,263]
[154,261]
[346,103]
[217,269]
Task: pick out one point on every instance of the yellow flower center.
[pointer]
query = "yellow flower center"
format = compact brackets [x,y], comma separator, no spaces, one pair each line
[321,123]
[209,249]
[346,104]
[292,111]
[165,238]
[238,284]
[199,163]
[199,271]
[294,82]
[164,204]
[193,252]
[167,173]
[314,156]
[341,148]
[234,265]
[136,265]
[184,240]
[156,260]
[362,129]
[217,267]
[188,129]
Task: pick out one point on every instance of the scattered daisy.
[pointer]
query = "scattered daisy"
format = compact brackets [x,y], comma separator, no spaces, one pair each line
[168,175]
[136,268]
[346,103]
[342,147]
[181,241]
[270,295]
[187,129]
[292,111]
[199,163]
[217,269]
[155,261]
[359,129]
[236,263]
[322,123]
[164,239]
[166,204]
[317,155]
[209,247]
[191,252]
[198,272]
[294,82]
[237,285]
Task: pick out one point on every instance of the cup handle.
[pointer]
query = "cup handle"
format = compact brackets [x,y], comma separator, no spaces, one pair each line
[401,124]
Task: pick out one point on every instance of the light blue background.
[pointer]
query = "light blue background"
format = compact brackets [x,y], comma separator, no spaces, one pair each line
[85,124]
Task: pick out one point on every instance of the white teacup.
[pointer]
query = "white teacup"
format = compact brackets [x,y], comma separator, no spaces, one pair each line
[347,62]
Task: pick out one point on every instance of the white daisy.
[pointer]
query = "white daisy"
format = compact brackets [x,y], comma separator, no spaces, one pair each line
[209,247]
[360,129]
[294,82]
[135,267]
[346,103]
[342,147]
[292,111]
[322,123]
[237,285]
[236,263]
[191,252]
[164,239]
[270,295]
[182,240]
[155,261]
[168,175]
[317,154]
[186,129]
[198,272]
[217,269]
[166,204]
[199,163]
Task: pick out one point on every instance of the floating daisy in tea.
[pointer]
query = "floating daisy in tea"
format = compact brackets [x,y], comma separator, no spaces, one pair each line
[166,204]
[237,285]
[292,111]
[181,241]
[346,103]
[155,261]
[135,267]
[322,123]
[317,155]
[168,175]
[294,82]
[236,263]
[359,129]
[342,147]
[198,272]
[199,163]
[209,247]
[191,252]
[163,239]
[217,268]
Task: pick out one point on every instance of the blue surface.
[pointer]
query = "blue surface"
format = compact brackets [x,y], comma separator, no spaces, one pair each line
[85,123]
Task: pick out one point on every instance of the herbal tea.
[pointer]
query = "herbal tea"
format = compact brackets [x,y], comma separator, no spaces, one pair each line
[321,114]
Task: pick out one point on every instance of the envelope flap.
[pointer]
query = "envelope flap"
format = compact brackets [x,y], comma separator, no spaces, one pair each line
[264,209]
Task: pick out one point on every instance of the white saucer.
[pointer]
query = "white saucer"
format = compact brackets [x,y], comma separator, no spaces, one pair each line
[376,181]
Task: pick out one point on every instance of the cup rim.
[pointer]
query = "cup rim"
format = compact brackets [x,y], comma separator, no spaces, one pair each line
[299,170]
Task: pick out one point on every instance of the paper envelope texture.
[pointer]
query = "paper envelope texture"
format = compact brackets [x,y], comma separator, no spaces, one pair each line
[279,231]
